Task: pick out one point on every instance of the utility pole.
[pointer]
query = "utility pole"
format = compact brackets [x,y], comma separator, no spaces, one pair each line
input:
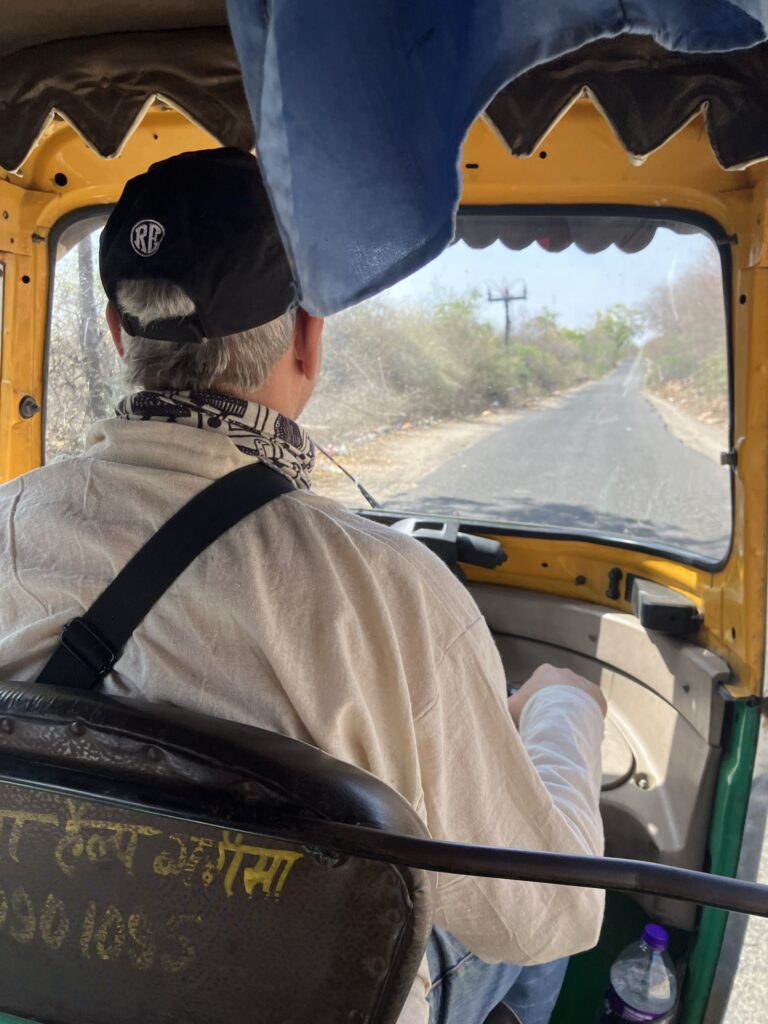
[506,297]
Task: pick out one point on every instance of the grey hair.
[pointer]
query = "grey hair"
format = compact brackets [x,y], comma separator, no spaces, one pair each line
[242,361]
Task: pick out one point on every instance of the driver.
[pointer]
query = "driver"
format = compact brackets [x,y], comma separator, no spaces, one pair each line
[304,618]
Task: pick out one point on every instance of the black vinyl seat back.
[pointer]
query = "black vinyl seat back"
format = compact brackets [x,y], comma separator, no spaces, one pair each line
[142,876]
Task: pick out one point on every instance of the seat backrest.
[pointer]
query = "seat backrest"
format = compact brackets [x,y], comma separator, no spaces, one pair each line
[137,881]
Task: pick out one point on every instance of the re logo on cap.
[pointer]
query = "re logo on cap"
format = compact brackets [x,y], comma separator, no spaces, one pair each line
[146,236]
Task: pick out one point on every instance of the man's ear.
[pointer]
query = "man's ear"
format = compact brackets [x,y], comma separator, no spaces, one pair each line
[113,323]
[307,344]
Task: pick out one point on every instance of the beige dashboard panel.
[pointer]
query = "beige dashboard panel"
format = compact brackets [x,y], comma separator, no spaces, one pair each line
[680,672]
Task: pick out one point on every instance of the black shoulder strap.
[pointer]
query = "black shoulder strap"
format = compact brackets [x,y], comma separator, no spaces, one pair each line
[90,645]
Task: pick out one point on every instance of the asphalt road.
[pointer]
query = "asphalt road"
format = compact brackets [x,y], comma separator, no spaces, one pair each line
[600,459]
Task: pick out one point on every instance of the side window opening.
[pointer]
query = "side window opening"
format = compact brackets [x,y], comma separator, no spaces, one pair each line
[83,370]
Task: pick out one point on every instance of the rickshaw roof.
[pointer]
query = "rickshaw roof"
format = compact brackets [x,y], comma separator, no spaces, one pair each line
[100,67]
[29,25]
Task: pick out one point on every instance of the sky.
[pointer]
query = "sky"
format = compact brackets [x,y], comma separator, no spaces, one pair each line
[574,284]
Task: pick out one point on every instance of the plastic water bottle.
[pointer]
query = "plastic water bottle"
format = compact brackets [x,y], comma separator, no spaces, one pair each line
[643,983]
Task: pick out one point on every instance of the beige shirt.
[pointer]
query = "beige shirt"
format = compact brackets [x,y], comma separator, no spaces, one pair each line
[311,621]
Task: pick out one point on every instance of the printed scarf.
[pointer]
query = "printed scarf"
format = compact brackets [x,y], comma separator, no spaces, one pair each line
[254,429]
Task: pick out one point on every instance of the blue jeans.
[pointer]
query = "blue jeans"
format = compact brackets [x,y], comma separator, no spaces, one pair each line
[465,988]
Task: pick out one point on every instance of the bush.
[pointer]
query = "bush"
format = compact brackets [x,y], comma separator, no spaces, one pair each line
[533,372]
[388,365]
[671,358]
[711,378]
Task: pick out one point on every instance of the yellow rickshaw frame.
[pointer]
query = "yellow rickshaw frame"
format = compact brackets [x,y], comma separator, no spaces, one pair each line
[580,161]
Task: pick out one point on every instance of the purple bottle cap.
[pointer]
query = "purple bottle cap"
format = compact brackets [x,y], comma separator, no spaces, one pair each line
[655,937]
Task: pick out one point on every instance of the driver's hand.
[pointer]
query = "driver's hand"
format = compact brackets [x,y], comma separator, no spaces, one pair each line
[548,675]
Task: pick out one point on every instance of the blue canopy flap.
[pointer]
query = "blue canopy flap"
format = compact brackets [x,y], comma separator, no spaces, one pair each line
[361,106]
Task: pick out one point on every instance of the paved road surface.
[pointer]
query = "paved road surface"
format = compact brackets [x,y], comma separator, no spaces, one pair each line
[600,460]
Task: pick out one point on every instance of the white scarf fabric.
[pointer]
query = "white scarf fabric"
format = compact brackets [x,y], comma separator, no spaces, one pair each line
[254,429]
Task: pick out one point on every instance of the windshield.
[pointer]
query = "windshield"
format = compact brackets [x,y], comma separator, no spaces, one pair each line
[554,371]
[546,371]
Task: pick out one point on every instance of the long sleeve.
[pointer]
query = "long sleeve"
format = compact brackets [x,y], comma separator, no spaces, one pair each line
[538,789]
[562,732]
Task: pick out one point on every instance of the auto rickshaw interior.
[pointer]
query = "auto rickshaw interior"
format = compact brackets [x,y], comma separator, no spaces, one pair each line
[623,293]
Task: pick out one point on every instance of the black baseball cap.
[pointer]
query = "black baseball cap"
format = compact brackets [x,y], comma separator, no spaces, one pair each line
[203,221]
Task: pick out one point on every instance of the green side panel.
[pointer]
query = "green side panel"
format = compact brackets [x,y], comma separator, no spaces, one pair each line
[6,1018]
[725,833]
[587,979]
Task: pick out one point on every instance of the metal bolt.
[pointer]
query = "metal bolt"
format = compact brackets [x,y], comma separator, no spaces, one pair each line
[77,728]
[642,781]
[28,407]
[154,754]
[328,860]
[6,725]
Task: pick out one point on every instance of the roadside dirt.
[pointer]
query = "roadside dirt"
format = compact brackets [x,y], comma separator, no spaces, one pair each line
[705,408]
[710,438]
[399,460]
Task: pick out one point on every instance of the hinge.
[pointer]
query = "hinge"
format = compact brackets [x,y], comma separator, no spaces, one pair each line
[729,458]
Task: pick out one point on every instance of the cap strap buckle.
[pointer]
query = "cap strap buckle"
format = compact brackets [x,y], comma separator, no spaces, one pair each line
[179,329]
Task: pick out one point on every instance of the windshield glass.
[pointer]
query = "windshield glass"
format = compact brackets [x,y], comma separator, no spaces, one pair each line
[551,371]
[546,371]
